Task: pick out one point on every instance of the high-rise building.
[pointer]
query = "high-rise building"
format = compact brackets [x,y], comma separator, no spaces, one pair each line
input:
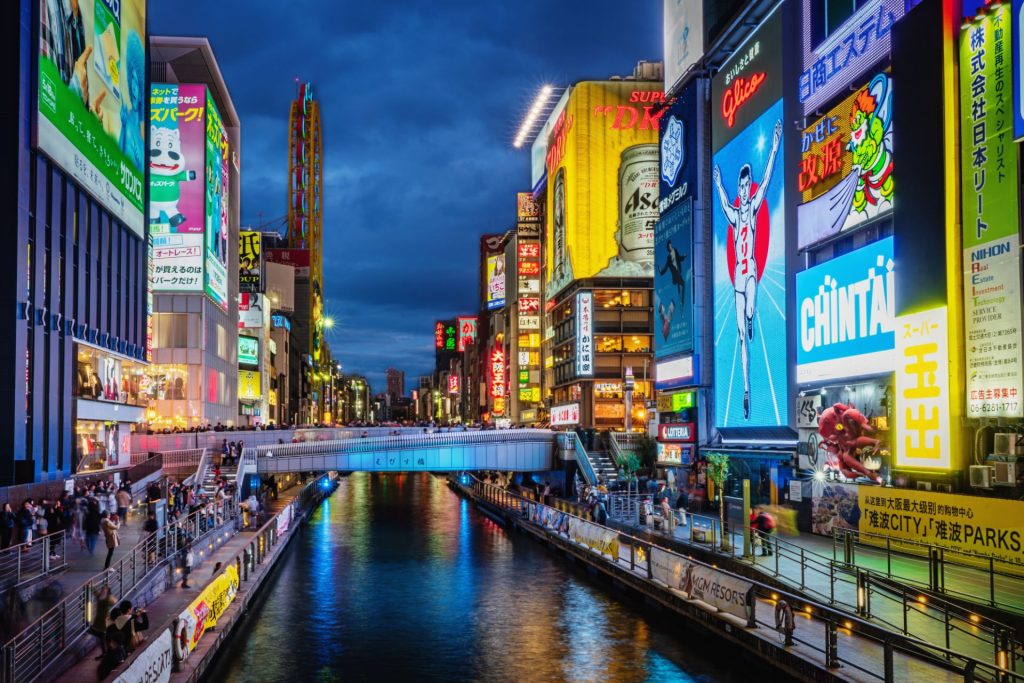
[396,382]
[194,229]
[73,273]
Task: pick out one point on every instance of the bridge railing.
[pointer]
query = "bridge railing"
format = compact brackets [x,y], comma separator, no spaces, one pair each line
[396,443]
[876,660]
[24,562]
[622,443]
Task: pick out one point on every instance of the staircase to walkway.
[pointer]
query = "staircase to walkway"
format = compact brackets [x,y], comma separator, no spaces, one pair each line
[208,486]
[603,465]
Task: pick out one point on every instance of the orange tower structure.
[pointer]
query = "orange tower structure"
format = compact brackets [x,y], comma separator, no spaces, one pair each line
[305,202]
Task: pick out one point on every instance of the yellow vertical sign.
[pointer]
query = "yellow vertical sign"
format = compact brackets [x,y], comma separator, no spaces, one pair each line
[922,390]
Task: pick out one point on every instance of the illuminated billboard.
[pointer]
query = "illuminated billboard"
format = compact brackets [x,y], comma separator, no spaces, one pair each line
[249,386]
[217,199]
[296,258]
[91,101]
[922,390]
[602,192]
[250,261]
[684,37]
[848,52]
[749,235]
[673,282]
[527,215]
[467,332]
[250,310]
[495,281]
[176,179]
[846,312]
[845,175]
[248,350]
[991,233]
[585,334]
[453,384]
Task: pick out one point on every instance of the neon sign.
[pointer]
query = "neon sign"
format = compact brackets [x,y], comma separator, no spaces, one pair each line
[497,374]
[738,94]
[628,117]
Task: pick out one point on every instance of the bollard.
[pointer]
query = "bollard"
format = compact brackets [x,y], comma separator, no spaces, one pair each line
[889,672]
[848,548]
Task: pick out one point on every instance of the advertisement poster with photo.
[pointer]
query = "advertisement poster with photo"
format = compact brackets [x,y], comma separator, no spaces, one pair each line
[846,315]
[250,261]
[91,101]
[495,281]
[250,311]
[176,155]
[749,234]
[991,237]
[602,194]
[673,282]
[248,350]
[217,199]
[845,175]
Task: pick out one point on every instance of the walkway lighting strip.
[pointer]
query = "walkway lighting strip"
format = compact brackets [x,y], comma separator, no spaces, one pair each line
[539,106]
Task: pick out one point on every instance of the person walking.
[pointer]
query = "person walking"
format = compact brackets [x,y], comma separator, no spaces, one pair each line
[78,520]
[123,498]
[666,514]
[187,562]
[7,520]
[112,500]
[764,527]
[91,523]
[109,524]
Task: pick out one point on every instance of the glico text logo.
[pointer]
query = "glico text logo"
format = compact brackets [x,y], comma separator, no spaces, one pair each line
[738,93]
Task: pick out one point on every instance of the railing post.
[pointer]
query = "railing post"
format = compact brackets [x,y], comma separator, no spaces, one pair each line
[803,565]
[46,554]
[889,673]
[831,645]
[848,548]
[991,582]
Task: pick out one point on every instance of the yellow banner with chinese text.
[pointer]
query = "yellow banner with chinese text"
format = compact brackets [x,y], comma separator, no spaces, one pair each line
[970,528]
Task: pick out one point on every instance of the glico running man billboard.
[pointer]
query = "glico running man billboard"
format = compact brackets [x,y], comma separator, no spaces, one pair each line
[602,194]
[749,233]
[673,234]
[92,98]
[177,209]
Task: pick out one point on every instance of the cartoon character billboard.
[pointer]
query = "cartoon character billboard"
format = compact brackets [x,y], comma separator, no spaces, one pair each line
[176,203]
[602,169]
[845,174]
[92,98]
[216,243]
[749,236]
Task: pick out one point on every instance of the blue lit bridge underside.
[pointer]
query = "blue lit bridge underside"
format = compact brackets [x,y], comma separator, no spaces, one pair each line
[519,450]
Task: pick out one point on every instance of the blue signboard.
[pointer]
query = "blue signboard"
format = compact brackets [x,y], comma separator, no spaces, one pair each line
[846,315]
[749,229]
[673,282]
[1017,16]
[679,159]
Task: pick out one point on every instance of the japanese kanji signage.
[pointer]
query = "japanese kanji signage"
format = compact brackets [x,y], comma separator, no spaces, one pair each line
[439,334]
[970,524]
[992,311]
[585,334]
[989,157]
[250,261]
[498,383]
[845,173]
[848,52]
[922,390]
[467,332]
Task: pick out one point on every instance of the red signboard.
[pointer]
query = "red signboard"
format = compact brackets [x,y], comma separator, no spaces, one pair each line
[529,268]
[529,250]
[498,373]
[467,332]
[529,305]
[453,384]
[289,257]
[677,431]
[439,334]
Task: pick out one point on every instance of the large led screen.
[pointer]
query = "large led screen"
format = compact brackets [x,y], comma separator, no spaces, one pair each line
[92,98]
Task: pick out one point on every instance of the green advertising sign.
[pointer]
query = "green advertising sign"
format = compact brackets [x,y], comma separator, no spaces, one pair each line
[92,99]
[216,250]
[989,155]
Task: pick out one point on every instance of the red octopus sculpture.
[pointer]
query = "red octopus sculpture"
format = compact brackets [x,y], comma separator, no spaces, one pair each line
[843,430]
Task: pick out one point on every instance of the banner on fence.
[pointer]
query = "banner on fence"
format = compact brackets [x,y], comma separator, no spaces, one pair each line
[284,520]
[597,538]
[153,665]
[204,611]
[726,593]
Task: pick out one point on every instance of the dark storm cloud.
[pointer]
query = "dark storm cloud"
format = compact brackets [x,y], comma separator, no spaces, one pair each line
[420,101]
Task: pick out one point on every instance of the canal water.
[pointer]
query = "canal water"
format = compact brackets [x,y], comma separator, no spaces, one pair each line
[398,579]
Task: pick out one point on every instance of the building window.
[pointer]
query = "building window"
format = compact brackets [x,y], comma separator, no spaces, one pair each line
[626,298]
[828,15]
[171,330]
[102,376]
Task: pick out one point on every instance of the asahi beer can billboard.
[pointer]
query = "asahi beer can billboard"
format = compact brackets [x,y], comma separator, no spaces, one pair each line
[638,202]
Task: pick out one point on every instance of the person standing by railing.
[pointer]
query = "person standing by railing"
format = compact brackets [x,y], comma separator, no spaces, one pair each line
[109,524]
[124,501]
[7,519]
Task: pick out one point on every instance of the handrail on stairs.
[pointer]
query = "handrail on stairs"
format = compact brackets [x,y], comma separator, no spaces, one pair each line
[570,441]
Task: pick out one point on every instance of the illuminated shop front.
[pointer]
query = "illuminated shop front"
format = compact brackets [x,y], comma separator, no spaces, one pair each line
[599,337]
[110,395]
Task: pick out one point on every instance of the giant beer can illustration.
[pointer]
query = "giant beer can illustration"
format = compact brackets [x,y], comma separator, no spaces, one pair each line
[638,202]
